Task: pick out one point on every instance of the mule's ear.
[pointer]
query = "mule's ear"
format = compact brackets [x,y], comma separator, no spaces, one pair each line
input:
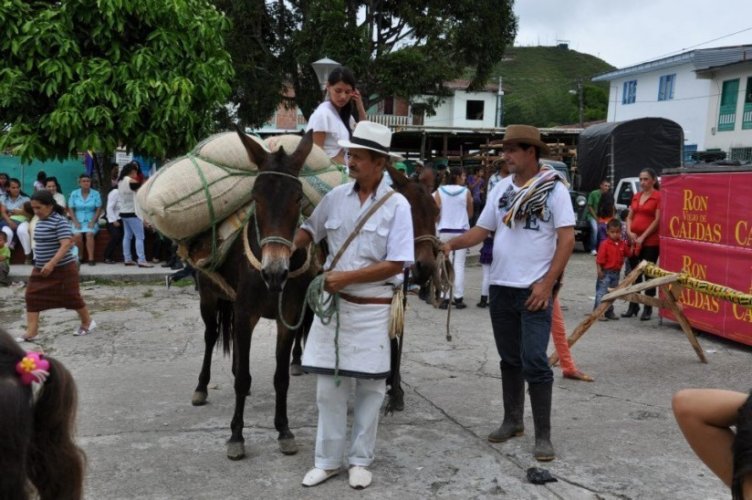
[256,152]
[398,178]
[298,157]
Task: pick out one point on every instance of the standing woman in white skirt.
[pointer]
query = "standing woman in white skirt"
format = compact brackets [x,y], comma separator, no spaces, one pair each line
[456,208]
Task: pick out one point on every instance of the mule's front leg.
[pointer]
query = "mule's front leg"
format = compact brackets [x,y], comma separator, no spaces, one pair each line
[241,351]
[286,439]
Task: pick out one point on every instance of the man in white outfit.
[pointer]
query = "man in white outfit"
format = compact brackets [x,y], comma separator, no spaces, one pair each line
[355,348]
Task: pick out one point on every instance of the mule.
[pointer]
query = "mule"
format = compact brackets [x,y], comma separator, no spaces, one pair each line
[258,269]
[424,213]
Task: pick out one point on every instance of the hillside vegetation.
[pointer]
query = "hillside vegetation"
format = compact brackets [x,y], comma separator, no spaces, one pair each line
[537,81]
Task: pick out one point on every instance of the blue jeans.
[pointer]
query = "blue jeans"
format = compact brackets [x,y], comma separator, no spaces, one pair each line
[610,280]
[133,226]
[521,336]
[593,234]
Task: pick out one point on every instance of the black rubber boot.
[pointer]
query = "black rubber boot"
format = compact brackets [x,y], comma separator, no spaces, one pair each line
[647,311]
[459,304]
[513,394]
[483,301]
[632,310]
[540,401]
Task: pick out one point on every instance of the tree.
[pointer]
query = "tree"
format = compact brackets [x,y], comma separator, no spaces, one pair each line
[394,47]
[88,74]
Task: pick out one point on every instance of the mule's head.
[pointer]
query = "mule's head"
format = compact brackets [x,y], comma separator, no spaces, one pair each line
[277,194]
[424,213]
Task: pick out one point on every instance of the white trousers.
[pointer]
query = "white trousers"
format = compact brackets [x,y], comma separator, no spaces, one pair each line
[332,426]
[486,268]
[22,231]
[457,258]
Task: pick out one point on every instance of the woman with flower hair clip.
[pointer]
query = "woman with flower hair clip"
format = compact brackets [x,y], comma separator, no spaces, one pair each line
[38,401]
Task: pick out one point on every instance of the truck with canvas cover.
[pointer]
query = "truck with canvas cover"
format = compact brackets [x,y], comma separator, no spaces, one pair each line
[616,150]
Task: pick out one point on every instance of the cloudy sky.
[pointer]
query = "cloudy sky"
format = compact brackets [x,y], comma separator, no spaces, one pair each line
[624,33]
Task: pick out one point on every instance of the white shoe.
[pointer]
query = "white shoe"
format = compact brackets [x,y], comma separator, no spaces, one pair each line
[317,476]
[81,331]
[360,477]
[593,252]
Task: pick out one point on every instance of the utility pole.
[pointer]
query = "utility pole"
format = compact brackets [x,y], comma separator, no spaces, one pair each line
[500,105]
[580,92]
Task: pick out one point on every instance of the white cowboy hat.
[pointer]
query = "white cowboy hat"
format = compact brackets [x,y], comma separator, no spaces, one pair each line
[372,136]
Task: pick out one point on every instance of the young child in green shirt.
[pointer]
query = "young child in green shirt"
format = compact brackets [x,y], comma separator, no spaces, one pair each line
[4,260]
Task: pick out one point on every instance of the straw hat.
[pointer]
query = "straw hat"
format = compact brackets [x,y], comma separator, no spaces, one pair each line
[524,134]
[372,136]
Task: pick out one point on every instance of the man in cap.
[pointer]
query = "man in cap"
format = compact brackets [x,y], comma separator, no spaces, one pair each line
[355,346]
[531,213]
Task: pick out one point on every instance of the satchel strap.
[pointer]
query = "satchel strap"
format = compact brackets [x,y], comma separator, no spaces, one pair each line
[359,226]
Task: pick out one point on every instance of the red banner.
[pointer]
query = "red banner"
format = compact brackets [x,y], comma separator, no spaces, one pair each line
[706,231]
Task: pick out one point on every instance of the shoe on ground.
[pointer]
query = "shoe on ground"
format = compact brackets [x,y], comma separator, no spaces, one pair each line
[145,264]
[359,477]
[155,260]
[459,304]
[610,315]
[92,263]
[24,338]
[578,375]
[85,331]
[593,252]
[109,261]
[317,476]
[129,263]
[28,261]
[444,304]
[602,318]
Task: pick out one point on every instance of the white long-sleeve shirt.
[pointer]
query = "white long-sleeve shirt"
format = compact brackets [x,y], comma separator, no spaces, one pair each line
[113,206]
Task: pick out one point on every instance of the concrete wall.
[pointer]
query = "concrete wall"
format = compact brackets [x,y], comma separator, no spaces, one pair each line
[453,112]
[688,108]
[737,138]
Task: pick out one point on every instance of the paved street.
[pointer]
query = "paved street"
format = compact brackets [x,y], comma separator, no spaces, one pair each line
[615,438]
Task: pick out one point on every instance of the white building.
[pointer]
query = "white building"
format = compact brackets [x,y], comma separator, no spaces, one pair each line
[686,89]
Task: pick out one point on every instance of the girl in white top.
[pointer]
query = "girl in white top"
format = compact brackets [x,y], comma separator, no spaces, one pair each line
[334,119]
[456,207]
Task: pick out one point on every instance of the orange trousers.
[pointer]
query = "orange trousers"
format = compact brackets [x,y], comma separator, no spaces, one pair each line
[559,335]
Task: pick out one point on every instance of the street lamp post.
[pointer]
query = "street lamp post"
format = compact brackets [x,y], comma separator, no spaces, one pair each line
[323,67]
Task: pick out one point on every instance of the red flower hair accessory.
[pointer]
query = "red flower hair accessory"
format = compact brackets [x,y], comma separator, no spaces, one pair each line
[33,368]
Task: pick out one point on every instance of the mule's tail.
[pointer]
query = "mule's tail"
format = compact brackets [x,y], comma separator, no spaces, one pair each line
[224,323]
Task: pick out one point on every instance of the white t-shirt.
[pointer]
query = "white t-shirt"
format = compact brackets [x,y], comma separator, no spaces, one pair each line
[522,256]
[326,119]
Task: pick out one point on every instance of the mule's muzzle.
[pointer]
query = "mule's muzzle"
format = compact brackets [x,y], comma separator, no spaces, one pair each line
[275,279]
[423,271]
[275,266]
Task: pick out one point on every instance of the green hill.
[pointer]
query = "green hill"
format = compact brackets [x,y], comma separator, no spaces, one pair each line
[537,81]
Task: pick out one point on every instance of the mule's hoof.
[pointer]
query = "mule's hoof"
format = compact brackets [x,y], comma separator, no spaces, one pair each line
[394,404]
[235,450]
[288,446]
[296,370]
[199,398]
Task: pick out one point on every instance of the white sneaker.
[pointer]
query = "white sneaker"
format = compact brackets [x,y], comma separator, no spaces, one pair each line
[317,476]
[81,331]
[359,477]
[594,252]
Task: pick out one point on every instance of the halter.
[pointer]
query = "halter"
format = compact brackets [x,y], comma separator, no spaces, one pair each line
[272,239]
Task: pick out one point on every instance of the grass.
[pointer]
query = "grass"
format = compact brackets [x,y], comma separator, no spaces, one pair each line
[537,83]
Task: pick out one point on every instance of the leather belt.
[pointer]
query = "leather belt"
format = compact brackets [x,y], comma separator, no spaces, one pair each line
[365,300]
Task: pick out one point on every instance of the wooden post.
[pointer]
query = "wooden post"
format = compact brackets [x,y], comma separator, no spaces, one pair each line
[602,307]
[671,303]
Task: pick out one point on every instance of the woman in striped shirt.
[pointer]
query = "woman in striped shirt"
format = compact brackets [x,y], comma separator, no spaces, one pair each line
[54,280]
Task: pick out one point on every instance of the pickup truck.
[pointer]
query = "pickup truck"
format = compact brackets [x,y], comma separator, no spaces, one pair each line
[625,190]
[579,204]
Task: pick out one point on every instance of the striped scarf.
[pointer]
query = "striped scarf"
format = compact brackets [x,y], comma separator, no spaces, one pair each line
[531,199]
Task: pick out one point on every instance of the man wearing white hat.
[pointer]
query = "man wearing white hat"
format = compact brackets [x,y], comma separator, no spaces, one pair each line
[355,347]
[531,212]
